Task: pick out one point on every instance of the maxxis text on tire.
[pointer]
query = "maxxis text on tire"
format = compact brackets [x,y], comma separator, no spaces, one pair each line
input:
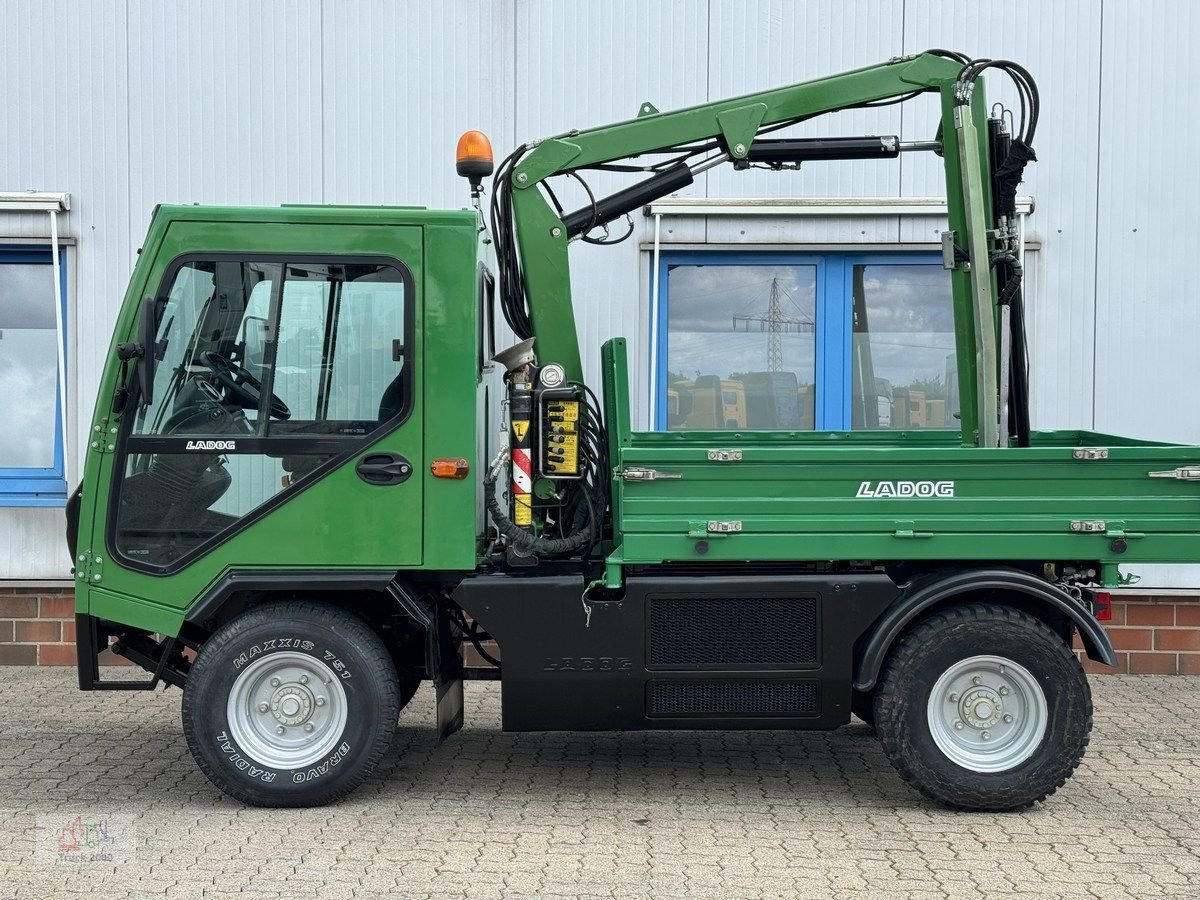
[347,686]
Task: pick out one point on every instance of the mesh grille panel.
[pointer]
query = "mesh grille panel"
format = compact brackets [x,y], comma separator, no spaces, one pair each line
[733,698]
[724,632]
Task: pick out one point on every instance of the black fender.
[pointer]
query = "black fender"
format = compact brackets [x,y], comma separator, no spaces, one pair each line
[922,595]
[210,603]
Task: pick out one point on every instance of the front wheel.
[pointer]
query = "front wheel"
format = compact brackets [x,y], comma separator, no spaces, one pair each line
[983,707]
[291,704]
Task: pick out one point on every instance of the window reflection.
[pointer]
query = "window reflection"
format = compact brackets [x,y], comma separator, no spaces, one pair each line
[904,368]
[741,347]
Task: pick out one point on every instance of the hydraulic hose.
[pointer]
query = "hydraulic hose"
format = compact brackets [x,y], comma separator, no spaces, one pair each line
[522,539]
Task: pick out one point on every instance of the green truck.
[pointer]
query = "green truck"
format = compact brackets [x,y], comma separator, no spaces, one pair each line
[306,491]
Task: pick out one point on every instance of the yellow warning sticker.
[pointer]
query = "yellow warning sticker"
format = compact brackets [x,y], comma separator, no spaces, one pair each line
[520,428]
[523,514]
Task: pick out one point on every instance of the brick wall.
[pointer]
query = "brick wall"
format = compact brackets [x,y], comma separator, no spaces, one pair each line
[1152,635]
[37,628]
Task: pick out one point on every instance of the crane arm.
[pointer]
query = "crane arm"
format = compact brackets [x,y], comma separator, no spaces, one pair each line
[536,250]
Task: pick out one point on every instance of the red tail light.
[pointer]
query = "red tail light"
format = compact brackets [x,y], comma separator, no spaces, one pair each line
[1102,606]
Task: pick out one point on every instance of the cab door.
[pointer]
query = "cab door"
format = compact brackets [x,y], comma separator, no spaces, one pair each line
[284,425]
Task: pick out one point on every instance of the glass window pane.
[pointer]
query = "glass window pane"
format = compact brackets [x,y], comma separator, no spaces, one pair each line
[741,347]
[904,368]
[340,362]
[194,329]
[28,366]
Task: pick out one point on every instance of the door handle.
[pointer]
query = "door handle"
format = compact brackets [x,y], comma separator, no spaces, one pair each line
[384,468]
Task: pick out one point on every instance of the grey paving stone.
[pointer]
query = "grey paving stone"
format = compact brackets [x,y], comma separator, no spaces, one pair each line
[495,815]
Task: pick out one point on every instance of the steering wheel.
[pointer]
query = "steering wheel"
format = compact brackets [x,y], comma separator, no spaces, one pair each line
[240,386]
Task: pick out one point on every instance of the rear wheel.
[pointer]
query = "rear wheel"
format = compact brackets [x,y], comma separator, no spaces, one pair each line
[983,707]
[291,704]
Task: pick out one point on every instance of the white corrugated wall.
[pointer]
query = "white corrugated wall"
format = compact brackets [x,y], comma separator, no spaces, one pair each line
[129,103]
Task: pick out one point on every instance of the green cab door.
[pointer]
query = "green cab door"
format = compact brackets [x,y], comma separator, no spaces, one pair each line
[283,430]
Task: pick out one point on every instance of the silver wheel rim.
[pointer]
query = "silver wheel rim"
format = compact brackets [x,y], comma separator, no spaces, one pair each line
[987,713]
[287,710]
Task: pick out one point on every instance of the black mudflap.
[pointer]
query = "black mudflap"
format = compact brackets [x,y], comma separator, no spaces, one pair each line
[449,679]
[443,653]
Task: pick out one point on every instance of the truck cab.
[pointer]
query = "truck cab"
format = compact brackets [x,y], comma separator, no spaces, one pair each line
[291,352]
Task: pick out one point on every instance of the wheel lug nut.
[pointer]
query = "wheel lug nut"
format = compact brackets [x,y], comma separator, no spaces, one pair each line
[304,679]
[1003,692]
[320,701]
[976,679]
[275,682]
[958,725]
[953,698]
[986,735]
[1007,717]
[281,730]
[263,707]
[308,726]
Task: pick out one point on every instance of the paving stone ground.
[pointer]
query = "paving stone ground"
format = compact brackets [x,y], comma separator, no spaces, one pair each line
[489,814]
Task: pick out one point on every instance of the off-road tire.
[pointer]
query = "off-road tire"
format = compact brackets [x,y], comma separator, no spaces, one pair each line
[340,641]
[927,650]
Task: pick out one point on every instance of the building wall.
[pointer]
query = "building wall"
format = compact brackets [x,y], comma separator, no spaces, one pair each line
[129,103]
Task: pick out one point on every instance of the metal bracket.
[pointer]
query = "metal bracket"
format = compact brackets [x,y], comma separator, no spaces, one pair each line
[1088,453]
[952,254]
[906,531]
[647,109]
[551,156]
[1086,526]
[104,437]
[89,567]
[1183,473]
[725,455]
[739,126]
[641,473]
[730,527]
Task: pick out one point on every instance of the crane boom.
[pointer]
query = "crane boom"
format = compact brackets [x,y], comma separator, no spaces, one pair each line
[727,130]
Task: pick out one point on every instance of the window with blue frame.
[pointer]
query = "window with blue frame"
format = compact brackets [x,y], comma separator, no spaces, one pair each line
[804,341]
[31,440]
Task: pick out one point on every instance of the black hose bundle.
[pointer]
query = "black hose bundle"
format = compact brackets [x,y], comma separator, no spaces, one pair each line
[510,285]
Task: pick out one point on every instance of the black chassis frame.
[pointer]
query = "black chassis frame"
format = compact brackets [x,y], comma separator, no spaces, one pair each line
[571,663]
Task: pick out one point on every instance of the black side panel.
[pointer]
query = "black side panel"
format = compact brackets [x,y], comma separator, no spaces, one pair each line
[677,652]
